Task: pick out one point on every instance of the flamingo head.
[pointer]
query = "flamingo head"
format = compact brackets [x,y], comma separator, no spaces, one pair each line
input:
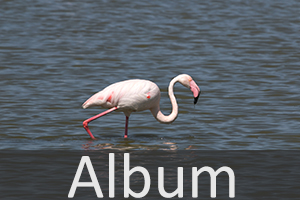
[187,81]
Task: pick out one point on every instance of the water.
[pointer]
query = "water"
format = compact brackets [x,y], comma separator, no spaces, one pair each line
[243,55]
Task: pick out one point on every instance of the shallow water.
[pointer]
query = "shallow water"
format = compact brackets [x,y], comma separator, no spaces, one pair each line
[243,55]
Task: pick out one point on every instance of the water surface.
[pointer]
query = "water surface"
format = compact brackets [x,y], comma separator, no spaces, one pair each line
[243,55]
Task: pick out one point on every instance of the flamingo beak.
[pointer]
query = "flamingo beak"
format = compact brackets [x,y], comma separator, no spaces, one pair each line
[196,90]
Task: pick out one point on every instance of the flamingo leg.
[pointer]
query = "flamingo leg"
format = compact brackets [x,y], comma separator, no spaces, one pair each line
[85,123]
[126,127]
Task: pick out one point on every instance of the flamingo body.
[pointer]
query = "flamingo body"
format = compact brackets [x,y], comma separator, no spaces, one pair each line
[128,96]
[138,95]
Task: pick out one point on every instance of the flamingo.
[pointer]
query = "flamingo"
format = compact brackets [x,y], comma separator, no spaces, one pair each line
[137,95]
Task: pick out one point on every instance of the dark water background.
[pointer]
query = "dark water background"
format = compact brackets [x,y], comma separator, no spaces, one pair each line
[244,55]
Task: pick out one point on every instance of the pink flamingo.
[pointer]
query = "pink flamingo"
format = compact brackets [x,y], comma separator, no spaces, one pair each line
[137,95]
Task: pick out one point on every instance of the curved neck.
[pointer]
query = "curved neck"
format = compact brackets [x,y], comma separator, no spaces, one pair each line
[159,116]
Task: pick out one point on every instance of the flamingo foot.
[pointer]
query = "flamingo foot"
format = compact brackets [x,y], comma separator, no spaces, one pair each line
[126,127]
[85,125]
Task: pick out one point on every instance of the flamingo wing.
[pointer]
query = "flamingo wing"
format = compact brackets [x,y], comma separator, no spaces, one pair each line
[133,95]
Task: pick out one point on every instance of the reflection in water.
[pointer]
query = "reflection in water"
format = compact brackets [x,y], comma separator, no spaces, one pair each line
[127,146]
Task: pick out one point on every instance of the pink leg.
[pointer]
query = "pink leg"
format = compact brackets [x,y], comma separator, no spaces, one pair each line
[85,123]
[126,127]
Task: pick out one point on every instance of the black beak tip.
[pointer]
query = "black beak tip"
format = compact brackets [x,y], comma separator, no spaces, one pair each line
[196,98]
